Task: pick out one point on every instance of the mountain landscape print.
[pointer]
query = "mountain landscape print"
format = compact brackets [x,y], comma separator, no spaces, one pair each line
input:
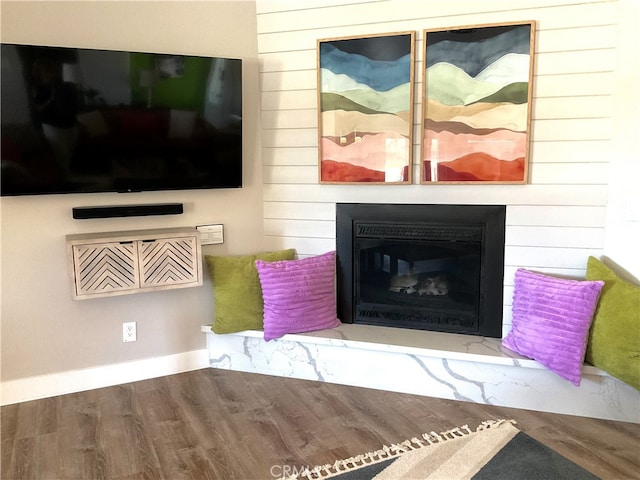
[476,104]
[365,109]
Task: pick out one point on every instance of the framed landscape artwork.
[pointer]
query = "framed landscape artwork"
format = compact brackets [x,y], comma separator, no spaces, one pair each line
[477,104]
[365,109]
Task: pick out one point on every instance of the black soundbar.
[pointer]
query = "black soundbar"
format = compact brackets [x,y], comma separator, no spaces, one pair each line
[111,211]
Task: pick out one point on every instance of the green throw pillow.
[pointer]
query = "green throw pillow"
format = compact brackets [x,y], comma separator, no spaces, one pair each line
[237,293]
[614,339]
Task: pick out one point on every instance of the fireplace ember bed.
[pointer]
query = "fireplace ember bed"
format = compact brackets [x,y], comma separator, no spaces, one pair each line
[421,266]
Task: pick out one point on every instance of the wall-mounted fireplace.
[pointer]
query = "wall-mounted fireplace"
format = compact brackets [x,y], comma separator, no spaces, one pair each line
[424,267]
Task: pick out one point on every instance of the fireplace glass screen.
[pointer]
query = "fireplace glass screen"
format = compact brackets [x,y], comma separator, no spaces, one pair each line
[410,282]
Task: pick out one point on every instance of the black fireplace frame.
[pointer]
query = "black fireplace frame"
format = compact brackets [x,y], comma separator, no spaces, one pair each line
[489,218]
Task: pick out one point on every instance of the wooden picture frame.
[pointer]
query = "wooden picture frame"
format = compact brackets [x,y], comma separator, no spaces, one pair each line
[476,117]
[365,109]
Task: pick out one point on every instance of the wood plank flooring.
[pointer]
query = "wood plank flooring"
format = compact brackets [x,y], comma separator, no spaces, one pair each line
[218,424]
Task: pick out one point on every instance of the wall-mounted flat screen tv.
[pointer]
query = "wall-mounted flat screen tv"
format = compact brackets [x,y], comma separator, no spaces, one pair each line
[80,120]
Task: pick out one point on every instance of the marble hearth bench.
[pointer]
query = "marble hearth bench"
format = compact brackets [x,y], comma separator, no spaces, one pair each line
[451,366]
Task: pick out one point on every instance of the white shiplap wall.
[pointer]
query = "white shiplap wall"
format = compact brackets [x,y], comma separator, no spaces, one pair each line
[553,224]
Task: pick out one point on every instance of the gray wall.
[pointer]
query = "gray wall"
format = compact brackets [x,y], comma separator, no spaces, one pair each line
[43,330]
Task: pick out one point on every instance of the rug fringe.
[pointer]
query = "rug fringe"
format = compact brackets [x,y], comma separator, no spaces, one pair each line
[391,451]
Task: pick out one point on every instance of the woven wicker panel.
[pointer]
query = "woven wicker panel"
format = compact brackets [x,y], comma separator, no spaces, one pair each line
[104,268]
[168,261]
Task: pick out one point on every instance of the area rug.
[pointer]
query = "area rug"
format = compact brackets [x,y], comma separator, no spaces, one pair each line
[495,450]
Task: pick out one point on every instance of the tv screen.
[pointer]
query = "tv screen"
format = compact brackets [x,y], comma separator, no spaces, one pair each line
[85,120]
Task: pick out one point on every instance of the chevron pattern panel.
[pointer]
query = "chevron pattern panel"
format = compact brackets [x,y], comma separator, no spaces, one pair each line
[168,261]
[104,268]
[122,263]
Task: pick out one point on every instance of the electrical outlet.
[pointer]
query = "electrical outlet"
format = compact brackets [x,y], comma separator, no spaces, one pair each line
[129,332]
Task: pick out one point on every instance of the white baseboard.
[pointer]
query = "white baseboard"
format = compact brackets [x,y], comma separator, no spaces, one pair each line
[43,386]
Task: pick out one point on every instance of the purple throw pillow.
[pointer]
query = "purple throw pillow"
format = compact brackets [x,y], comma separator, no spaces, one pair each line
[299,295]
[551,320]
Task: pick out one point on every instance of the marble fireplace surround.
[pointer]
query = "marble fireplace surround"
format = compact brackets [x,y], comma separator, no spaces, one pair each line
[443,365]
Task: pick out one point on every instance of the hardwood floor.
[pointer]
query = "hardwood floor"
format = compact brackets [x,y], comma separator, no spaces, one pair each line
[218,424]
